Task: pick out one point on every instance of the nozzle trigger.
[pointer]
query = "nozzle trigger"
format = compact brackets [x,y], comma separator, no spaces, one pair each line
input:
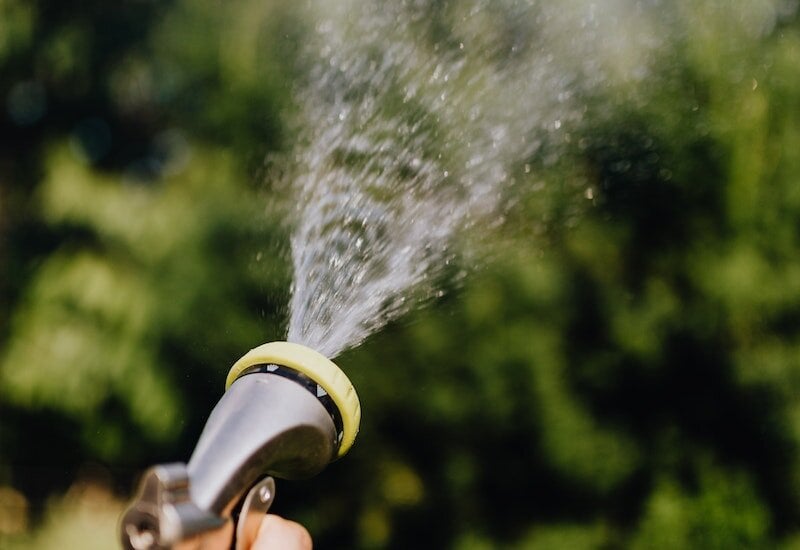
[255,507]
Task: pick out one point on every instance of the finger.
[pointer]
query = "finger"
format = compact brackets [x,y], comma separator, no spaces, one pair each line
[277,533]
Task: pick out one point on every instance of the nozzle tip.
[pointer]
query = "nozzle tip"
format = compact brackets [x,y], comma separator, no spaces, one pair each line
[317,367]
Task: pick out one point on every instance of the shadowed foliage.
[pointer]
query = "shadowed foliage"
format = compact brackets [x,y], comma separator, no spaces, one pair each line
[622,373]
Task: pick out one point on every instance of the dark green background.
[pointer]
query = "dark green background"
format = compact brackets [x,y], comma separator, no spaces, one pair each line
[624,373]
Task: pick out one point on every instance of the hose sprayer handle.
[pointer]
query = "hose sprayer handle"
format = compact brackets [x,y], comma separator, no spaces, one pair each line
[164,517]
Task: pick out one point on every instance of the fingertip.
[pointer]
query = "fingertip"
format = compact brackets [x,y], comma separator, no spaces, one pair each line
[277,533]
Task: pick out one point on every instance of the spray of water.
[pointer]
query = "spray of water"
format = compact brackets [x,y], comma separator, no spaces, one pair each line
[416,115]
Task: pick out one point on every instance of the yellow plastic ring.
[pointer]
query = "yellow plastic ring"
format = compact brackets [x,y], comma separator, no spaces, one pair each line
[320,369]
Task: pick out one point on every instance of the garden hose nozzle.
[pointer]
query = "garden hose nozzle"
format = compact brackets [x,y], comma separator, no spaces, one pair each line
[287,412]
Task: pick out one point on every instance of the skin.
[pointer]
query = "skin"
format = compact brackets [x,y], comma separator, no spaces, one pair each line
[277,533]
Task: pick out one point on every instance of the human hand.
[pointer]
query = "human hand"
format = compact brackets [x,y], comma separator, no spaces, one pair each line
[277,533]
[274,533]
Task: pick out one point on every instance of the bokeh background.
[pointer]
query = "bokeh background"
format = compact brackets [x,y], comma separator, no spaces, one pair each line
[624,372]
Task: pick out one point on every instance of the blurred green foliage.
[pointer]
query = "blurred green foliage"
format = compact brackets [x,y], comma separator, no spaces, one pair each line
[624,373]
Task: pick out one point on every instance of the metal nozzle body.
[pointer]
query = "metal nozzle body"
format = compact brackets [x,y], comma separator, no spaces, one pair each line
[265,424]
